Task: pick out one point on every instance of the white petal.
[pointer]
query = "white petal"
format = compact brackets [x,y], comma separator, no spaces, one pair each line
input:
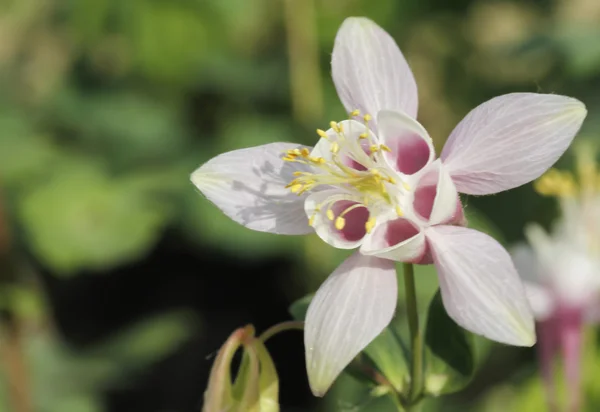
[369,71]
[349,144]
[248,185]
[349,310]
[436,199]
[316,208]
[481,289]
[410,144]
[399,240]
[510,140]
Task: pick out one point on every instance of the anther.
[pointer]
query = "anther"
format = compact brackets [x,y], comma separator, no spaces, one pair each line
[370,224]
[386,148]
[399,211]
[335,147]
[354,113]
[367,117]
[340,222]
[363,135]
[334,126]
[330,215]
[322,133]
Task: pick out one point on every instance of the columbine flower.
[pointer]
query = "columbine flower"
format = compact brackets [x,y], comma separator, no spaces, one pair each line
[561,274]
[372,183]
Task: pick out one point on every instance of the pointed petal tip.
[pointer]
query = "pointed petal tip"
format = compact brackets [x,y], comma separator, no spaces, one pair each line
[199,177]
[319,389]
[575,107]
[364,21]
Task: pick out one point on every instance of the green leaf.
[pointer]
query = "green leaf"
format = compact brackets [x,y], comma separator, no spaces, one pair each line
[298,308]
[24,153]
[81,218]
[388,354]
[449,352]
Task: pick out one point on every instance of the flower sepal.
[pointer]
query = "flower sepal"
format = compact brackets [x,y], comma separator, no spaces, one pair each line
[256,385]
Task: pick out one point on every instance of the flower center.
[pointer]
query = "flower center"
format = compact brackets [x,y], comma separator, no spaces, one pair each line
[350,158]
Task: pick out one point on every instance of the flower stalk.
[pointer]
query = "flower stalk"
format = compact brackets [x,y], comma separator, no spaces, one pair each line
[416,337]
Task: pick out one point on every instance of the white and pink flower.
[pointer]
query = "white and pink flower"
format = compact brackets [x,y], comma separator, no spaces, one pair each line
[561,274]
[373,183]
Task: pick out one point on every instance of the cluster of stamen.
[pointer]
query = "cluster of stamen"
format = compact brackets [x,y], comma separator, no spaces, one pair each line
[369,183]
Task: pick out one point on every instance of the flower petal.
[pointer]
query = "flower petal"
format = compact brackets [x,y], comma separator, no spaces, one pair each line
[398,240]
[436,199]
[353,150]
[480,287]
[248,185]
[369,70]
[325,207]
[349,310]
[410,144]
[510,140]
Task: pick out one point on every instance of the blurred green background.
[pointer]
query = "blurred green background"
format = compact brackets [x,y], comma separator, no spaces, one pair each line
[118,281]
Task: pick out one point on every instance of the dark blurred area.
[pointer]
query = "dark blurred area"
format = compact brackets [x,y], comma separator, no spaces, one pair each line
[120,282]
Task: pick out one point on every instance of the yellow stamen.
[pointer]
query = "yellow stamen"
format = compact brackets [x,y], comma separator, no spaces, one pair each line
[354,113]
[384,147]
[340,222]
[322,133]
[330,215]
[367,117]
[370,224]
[334,126]
[399,211]
[363,136]
[296,188]
[335,147]
[311,221]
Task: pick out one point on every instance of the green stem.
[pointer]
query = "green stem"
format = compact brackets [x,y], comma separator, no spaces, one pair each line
[281,327]
[416,339]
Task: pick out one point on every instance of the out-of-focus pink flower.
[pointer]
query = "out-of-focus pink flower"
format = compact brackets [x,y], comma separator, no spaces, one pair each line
[561,274]
[373,183]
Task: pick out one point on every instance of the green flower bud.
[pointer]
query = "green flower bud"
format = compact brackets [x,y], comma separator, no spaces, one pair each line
[256,386]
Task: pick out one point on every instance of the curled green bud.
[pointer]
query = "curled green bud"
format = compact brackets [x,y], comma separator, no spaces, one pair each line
[256,385]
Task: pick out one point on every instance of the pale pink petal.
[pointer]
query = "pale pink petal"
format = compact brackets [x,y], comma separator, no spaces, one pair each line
[369,71]
[248,185]
[349,310]
[481,289]
[510,140]
[411,147]
[325,207]
[436,199]
[570,334]
[398,240]
[542,301]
